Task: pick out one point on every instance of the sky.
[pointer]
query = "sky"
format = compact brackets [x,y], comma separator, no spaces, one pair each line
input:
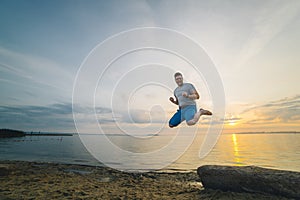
[254,46]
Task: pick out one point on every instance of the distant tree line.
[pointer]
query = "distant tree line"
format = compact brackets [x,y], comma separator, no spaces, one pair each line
[11,133]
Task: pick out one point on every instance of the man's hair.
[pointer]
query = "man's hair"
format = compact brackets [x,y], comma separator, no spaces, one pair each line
[177,74]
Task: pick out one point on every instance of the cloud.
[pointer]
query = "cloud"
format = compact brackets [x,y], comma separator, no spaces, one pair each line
[270,20]
[285,110]
[207,120]
[38,69]
[144,116]
[57,117]
[34,119]
[22,73]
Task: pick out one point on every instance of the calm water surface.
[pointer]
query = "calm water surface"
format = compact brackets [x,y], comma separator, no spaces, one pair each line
[280,151]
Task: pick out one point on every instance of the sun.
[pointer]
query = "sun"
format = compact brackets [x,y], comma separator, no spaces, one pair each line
[232,120]
[232,123]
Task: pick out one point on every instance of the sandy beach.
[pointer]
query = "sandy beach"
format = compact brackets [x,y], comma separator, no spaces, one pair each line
[33,180]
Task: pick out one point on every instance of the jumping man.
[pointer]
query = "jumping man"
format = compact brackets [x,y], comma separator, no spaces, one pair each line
[185,95]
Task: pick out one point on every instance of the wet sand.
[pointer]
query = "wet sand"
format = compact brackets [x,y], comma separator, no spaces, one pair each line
[32,180]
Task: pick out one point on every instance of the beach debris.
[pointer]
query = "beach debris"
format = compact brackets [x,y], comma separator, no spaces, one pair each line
[4,170]
[77,171]
[251,179]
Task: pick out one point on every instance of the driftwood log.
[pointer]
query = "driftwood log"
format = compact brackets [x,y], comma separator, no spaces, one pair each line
[251,179]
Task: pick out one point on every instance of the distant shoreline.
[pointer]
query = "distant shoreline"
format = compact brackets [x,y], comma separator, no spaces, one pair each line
[18,133]
[6,133]
[49,134]
[267,132]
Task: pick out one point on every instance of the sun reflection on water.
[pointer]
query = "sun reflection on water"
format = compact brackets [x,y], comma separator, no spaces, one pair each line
[237,158]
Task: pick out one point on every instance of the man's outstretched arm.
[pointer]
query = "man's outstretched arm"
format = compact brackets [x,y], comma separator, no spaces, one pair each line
[174,101]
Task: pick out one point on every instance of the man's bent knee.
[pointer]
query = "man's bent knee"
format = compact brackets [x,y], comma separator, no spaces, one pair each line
[190,123]
[171,126]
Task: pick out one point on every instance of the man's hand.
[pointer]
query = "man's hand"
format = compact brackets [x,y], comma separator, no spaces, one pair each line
[173,100]
[185,94]
[194,95]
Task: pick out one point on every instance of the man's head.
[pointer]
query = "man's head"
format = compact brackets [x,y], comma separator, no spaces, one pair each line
[178,78]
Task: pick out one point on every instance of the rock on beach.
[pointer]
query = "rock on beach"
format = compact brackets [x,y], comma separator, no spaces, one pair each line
[251,179]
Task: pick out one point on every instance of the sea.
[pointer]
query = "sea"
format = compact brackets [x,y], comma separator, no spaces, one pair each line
[269,150]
